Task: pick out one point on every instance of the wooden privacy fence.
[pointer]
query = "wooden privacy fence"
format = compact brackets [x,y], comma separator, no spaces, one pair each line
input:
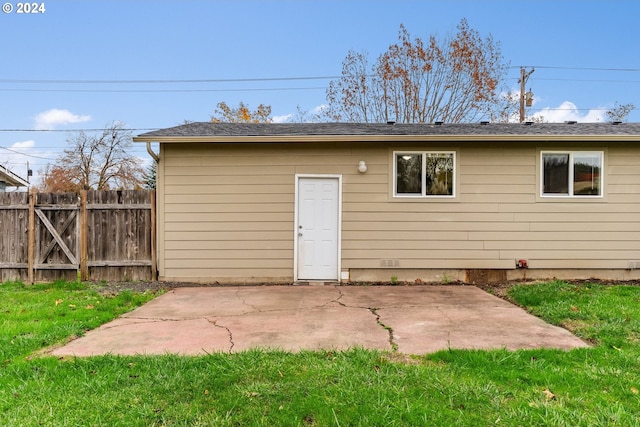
[98,235]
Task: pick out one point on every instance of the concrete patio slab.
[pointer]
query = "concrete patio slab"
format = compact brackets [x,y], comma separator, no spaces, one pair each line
[409,319]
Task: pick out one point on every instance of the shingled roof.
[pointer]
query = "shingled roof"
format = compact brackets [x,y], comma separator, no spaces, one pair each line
[207,131]
[10,179]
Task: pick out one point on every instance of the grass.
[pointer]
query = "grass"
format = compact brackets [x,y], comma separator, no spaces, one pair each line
[605,315]
[585,387]
[37,316]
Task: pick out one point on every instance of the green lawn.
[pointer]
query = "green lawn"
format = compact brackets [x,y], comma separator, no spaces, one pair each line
[586,387]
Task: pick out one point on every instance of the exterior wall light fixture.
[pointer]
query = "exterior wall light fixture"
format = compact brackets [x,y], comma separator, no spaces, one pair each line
[362,166]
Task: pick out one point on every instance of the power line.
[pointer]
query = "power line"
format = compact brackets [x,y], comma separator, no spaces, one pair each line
[280,89]
[260,79]
[257,79]
[164,90]
[147,81]
[25,154]
[14,163]
[589,80]
[633,70]
[162,81]
[581,80]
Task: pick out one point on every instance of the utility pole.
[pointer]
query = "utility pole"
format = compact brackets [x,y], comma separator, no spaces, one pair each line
[528,96]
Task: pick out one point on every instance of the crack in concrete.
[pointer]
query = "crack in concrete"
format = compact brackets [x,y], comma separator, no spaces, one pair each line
[141,321]
[374,311]
[256,309]
[229,333]
[145,320]
[340,295]
[244,302]
[162,319]
[389,329]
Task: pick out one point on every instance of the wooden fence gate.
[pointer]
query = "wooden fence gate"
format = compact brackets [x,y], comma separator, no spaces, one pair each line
[94,235]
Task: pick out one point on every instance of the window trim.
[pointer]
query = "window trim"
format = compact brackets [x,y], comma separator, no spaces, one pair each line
[423,196]
[570,195]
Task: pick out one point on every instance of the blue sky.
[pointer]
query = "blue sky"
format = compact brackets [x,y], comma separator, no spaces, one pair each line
[83,64]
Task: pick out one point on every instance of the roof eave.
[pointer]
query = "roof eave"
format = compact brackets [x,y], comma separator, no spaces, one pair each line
[381,138]
[11,179]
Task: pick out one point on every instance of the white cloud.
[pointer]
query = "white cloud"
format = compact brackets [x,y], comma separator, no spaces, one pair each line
[303,116]
[281,119]
[12,158]
[51,118]
[23,145]
[19,153]
[568,111]
[319,109]
[11,154]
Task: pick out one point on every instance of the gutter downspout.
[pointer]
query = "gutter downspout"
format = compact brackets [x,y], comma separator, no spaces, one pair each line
[154,227]
[153,155]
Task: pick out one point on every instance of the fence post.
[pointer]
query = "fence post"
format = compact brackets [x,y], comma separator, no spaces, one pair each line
[31,237]
[84,269]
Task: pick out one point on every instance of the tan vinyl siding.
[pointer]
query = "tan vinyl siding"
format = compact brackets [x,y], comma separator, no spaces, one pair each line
[226,219]
[228,210]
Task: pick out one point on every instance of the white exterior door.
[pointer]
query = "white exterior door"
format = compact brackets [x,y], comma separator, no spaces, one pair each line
[317,228]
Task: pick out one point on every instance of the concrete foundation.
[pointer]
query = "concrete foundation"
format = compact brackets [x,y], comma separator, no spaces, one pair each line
[440,276]
[488,275]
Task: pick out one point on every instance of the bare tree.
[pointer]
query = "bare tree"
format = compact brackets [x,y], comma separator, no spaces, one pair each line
[307,116]
[453,80]
[96,162]
[619,112]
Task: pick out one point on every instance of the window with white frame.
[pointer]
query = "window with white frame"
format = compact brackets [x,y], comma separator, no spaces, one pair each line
[424,174]
[571,173]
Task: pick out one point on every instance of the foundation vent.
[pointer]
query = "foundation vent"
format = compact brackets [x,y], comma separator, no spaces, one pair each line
[386,263]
